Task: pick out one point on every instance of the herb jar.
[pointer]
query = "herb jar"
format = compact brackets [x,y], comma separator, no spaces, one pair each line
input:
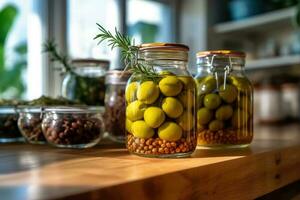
[85,83]
[9,131]
[225,100]
[115,104]
[30,124]
[73,127]
[160,103]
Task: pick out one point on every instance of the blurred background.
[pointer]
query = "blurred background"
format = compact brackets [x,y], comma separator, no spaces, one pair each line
[266,30]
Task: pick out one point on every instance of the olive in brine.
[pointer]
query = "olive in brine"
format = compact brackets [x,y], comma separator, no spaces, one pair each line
[172,107]
[224,112]
[215,125]
[135,110]
[242,84]
[188,83]
[207,85]
[228,93]
[130,93]
[170,131]
[204,115]
[186,121]
[170,86]
[154,116]
[212,101]
[141,130]
[148,92]
[186,97]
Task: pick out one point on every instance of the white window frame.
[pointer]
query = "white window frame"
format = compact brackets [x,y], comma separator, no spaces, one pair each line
[54,15]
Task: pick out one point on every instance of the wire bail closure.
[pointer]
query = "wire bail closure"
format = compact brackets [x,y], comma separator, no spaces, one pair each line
[227,70]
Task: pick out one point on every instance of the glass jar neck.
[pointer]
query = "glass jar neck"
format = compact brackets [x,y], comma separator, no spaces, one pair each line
[221,64]
[164,58]
[89,71]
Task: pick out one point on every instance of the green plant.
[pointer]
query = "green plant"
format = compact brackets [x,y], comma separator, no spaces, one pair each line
[129,52]
[56,56]
[11,82]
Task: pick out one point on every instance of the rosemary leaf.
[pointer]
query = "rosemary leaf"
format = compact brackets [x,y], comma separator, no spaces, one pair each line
[129,52]
[51,48]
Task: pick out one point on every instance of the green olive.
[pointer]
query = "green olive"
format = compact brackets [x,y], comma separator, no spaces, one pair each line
[204,115]
[188,83]
[186,97]
[216,125]
[141,130]
[212,101]
[148,92]
[206,85]
[170,131]
[170,86]
[135,110]
[224,112]
[130,93]
[242,83]
[228,93]
[165,73]
[154,117]
[186,121]
[239,118]
[128,125]
[172,107]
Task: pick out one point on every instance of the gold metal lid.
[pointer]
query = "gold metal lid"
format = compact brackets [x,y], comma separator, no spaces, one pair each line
[230,53]
[163,46]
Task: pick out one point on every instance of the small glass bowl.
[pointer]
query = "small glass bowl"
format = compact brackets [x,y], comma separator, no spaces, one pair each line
[73,127]
[9,131]
[30,124]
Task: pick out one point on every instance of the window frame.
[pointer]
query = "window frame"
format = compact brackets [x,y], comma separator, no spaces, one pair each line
[56,25]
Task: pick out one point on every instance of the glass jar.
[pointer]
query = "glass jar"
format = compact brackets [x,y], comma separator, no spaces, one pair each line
[73,127]
[225,100]
[160,109]
[30,124]
[86,82]
[9,131]
[115,104]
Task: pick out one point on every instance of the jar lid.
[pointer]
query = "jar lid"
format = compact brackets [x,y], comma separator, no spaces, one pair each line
[229,53]
[116,77]
[76,109]
[163,46]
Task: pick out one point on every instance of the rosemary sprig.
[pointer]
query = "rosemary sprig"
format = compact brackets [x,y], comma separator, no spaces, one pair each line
[55,56]
[129,52]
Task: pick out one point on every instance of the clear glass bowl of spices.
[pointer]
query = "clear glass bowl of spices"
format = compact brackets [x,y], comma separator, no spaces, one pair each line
[9,131]
[116,81]
[73,127]
[29,123]
[31,115]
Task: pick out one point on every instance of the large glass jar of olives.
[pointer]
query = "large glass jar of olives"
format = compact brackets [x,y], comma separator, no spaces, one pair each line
[160,103]
[85,83]
[225,100]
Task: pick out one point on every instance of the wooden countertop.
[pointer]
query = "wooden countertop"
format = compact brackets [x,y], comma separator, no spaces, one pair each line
[109,172]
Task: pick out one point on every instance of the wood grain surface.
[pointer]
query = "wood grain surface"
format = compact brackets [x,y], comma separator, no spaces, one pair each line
[109,172]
